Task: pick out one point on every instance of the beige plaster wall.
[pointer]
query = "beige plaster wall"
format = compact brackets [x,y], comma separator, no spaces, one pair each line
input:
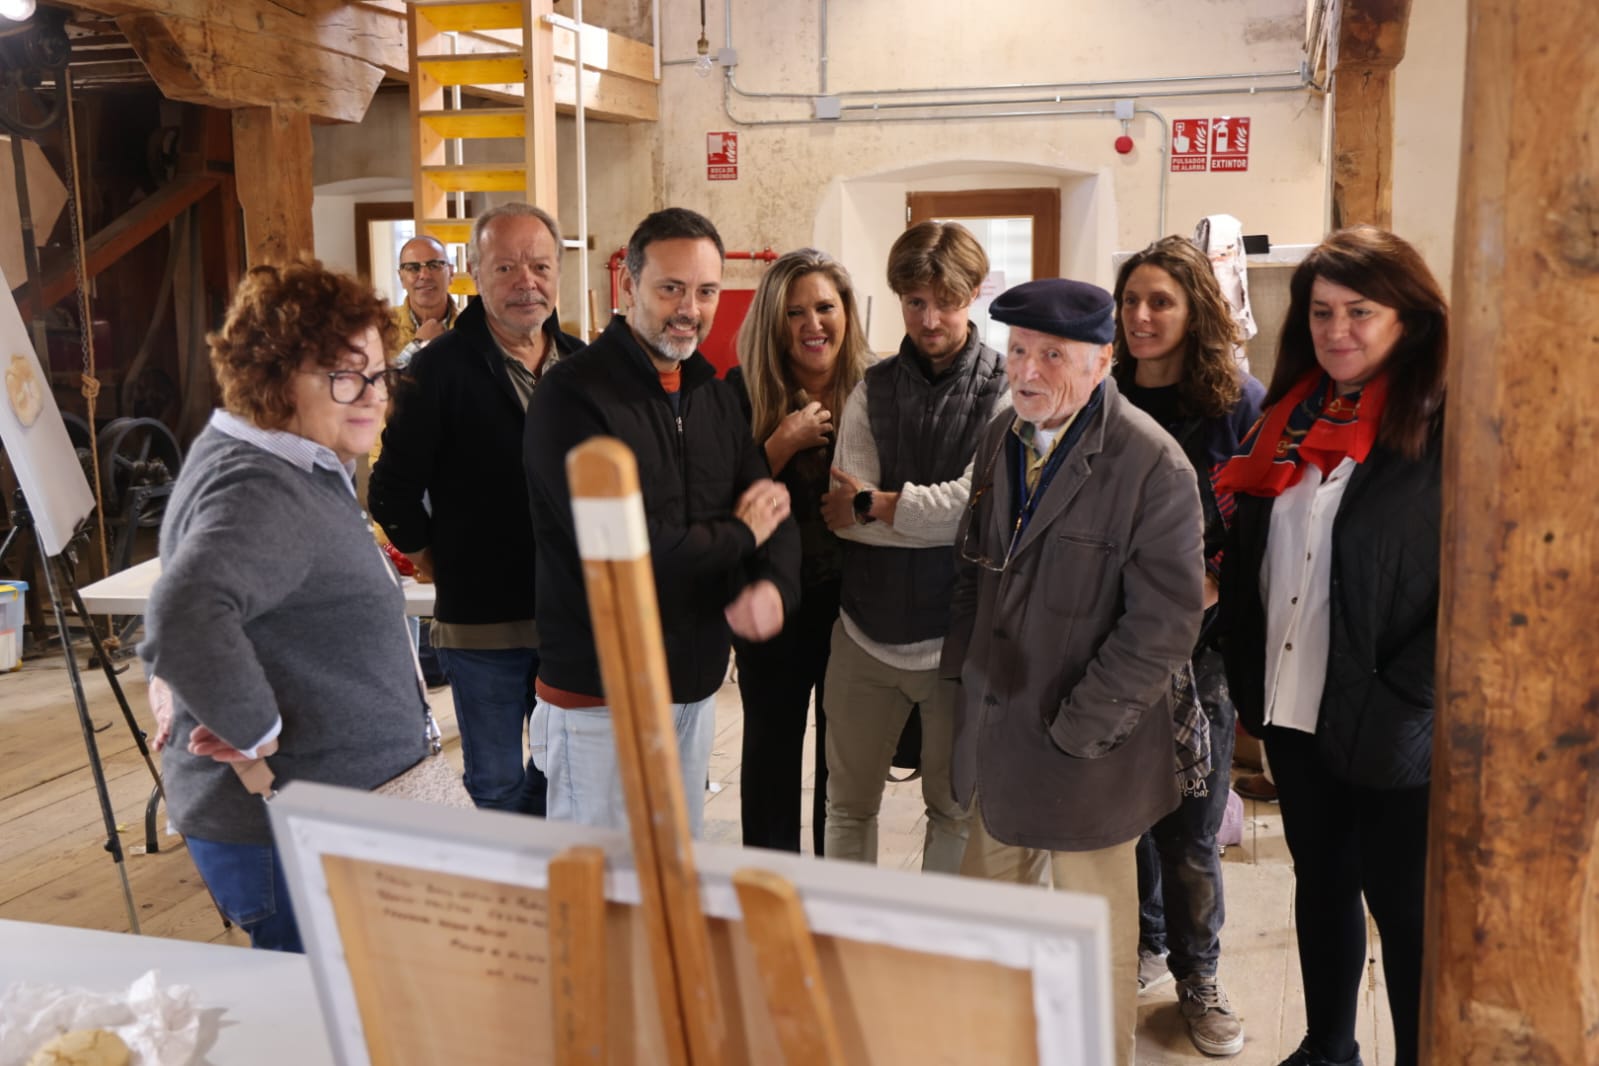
[1429,98]
[841,186]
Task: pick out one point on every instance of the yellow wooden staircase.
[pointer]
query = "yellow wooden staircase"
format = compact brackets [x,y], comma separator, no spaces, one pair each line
[520,58]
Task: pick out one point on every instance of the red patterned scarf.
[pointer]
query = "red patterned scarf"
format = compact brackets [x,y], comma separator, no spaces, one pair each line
[1310,424]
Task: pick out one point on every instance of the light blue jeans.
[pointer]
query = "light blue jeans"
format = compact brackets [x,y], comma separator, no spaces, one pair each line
[576,749]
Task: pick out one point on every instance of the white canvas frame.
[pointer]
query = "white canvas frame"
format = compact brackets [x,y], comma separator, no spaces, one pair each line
[1062,938]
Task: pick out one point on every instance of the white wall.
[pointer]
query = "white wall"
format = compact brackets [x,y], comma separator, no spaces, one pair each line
[1429,101]
[841,185]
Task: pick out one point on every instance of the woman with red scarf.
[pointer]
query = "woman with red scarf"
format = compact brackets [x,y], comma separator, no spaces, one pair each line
[1330,602]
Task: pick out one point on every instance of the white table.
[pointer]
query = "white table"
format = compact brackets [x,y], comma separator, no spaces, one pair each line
[260,1007]
[128,591]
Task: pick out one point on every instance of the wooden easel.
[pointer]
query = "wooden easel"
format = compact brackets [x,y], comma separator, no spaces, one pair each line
[621,591]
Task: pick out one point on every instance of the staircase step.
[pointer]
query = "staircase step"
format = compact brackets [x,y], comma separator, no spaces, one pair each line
[448,230]
[487,178]
[469,15]
[478,68]
[463,285]
[477,122]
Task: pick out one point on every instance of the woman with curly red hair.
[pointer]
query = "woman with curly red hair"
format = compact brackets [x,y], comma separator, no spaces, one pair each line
[276,624]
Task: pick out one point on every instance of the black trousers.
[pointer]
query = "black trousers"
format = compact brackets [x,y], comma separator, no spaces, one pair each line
[1346,842]
[775,681]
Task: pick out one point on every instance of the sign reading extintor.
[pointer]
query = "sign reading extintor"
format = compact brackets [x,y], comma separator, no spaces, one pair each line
[1213,144]
[721,157]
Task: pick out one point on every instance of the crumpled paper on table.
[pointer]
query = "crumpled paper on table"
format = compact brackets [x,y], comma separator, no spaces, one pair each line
[161,1026]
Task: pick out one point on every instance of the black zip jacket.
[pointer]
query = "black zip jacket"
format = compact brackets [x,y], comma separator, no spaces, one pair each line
[456,434]
[1376,718]
[694,463]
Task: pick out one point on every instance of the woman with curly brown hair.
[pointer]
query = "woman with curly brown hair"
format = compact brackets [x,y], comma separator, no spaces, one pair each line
[802,350]
[276,624]
[1330,594]
[1174,348]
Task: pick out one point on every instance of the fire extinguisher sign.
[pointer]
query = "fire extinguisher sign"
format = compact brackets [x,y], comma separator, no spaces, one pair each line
[721,157]
[1209,144]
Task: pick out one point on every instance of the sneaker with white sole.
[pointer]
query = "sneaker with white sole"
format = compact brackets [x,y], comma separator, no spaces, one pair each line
[1152,970]
[1213,1025]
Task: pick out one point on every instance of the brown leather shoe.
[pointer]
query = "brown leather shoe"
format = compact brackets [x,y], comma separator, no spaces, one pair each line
[1256,787]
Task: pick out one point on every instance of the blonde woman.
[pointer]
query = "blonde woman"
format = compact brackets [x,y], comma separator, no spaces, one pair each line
[802,349]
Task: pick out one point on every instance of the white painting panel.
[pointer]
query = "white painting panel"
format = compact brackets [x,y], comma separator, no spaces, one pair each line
[35,438]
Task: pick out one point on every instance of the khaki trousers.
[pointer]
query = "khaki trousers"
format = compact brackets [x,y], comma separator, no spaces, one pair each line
[1109,872]
[868,703]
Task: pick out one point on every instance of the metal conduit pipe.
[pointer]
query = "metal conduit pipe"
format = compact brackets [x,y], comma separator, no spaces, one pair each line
[1164,94]
[1300,73]
[584,324]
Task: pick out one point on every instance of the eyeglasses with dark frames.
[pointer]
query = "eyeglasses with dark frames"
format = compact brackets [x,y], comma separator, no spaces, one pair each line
[971,552]
[434,265]
[348,386]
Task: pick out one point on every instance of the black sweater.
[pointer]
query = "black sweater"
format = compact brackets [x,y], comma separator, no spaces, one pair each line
[693,466]
[1376,718]
[456,435]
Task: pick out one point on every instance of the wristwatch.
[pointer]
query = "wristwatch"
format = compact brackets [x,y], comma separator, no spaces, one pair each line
[863,507]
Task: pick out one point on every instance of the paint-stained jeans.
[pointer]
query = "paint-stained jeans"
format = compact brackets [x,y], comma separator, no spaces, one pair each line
[1181,906]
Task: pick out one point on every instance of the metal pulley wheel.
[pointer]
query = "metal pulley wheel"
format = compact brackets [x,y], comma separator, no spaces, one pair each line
[136,452]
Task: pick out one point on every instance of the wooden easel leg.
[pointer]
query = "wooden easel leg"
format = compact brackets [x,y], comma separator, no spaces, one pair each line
[577,956]
[791,975]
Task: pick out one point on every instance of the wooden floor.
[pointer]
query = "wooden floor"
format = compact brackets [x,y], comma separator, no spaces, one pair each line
[54,867]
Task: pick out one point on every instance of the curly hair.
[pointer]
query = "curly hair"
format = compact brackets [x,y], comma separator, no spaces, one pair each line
[1211,382]
[281,318]
[763,342]
[1388,270]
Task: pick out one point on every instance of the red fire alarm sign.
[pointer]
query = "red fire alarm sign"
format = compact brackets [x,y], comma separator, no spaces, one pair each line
[1229,144]
[1190,144]
[721,157]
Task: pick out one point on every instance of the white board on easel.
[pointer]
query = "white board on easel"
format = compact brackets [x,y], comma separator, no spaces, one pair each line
[427,933]
[35,438]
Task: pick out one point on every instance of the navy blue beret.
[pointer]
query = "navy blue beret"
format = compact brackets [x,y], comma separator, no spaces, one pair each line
[1075,310]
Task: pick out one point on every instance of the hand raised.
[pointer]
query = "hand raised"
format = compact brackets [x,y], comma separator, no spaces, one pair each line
[762,507]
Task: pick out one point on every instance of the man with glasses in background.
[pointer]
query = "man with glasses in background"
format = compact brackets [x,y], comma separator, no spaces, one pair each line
[1078,598]
[427,310]
[450,491]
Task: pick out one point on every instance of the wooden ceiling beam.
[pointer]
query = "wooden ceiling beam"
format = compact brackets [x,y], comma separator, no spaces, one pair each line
[1370,41]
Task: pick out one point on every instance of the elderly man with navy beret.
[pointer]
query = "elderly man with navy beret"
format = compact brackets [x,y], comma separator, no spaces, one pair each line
[1078,599]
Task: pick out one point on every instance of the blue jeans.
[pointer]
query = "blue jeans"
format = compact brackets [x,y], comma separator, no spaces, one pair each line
[246,880]
[493,701]
[1181,906]
[577,749]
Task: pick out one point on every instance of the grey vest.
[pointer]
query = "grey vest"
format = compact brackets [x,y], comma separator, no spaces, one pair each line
[926,430]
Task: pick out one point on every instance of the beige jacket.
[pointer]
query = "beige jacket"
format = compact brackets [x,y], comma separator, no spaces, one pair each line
[1064,723]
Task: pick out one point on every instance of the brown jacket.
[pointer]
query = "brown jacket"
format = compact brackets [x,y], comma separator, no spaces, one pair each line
[1064,723]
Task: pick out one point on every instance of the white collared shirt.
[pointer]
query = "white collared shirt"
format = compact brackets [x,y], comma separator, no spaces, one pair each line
[1296,590]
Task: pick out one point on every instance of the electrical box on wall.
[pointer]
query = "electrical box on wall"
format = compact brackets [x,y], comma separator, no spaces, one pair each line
[828,107]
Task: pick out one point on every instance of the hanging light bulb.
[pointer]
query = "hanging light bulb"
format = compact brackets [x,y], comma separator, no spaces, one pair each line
[702,65]
[16,10]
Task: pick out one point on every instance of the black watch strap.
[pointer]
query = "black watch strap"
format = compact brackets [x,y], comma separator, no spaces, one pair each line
[863,506]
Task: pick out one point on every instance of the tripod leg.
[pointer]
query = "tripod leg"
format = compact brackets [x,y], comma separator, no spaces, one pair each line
[116,687]
[113,844]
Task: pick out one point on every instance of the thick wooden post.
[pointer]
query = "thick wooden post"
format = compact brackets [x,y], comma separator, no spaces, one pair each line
[272,162]
[1512,961]
[1370,43]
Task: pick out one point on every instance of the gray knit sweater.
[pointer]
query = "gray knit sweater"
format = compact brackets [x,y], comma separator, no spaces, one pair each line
[275,601]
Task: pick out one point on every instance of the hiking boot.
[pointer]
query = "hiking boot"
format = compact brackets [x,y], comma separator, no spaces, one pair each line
[1303,1056]
[1152,970]
[1256,787]
[1213,1026]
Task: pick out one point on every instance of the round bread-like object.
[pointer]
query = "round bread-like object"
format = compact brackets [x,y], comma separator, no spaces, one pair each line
[24,388]
[83,1047]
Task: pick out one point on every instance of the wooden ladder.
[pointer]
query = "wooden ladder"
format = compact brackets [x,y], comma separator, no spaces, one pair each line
[524,66]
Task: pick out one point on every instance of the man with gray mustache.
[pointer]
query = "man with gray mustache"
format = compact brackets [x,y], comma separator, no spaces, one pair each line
[450,491]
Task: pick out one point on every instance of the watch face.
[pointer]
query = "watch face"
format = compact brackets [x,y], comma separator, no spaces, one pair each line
[863,502]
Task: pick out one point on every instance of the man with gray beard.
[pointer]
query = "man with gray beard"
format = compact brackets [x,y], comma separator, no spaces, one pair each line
[726,558]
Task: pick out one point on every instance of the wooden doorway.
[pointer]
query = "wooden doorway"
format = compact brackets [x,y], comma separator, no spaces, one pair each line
[385,213]
[1018,228]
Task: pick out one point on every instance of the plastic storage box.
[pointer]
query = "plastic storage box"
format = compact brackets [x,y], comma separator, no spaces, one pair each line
[12,599]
